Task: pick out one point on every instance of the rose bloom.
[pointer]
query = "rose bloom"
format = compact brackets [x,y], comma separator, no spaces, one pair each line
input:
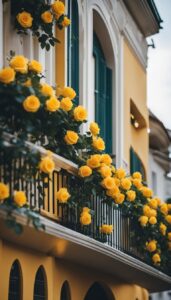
[152,220]
[106,229]
[58,8]
[105,171]
[146,192]
[47,17]
[25,19]
[52,104]
[71,137]
[113,192]
[4,191]
[99,144]
[47,165]
[108,183]
[85,218]
[163,228]
[66,22]
[7,75]
[131,195]
[47,90]
[94,161]
[119,199]
[35,66]
[20,198]
[106,159]
[85,171]
[63,195]
[156,258]
[168,219]
[80,113]
[68,92]
[151,246]
[94,128]
[153,203]
[137,175]
[137,183]
[31,103]
[120,173]
[66,104]
[19,63]
[164,209]
[143,220]
[125,183]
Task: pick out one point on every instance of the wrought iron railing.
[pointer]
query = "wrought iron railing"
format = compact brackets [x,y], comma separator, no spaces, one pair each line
[41,195]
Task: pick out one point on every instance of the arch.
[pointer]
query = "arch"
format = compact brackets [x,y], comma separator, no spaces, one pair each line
[65,291]
[99,291]
[15,282]
[40,285]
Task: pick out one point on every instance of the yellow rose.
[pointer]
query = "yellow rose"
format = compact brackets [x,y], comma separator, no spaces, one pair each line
[80,114]
[131,195]
[68,92]
[108,183]
[58,8]
[94,128]
[31,104]
[151,246]
[137,183]
[152,220]
[153,203]
[35,66]
[106,229]
[47,165]
[25,19]
[85,218]
[47,17]
[137,175]
[169,236]
[143,220]
[66,104]
[85,171]
[27,83]
[4,191]
[71,137]
[163,228]
[125,183]
[99,144]
[7,75]
[19,63]
[20,198]
[63,195]
[86,209]
[120,173]
[117,181]
[156,258]
[47,90]
[66,22]
[169,206]
[105,171]
[119,199]
[94,161]
[113,192]
[52,104]
[153,212]
[106,159]
[168,219]
[164,209]
[147,211]
[146,192]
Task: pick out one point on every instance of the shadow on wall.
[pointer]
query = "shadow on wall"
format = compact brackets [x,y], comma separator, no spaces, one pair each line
[99,291]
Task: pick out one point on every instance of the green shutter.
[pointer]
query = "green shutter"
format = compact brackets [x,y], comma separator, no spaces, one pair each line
[103,94]
[136,164]
[73,47]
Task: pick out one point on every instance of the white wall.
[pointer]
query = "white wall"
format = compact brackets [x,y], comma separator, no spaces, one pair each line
[161,296]
[160,188]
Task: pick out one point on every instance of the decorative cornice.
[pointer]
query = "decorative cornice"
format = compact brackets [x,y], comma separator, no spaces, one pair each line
[96,255]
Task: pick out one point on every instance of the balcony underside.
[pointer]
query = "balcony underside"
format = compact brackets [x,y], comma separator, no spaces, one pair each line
[67,244]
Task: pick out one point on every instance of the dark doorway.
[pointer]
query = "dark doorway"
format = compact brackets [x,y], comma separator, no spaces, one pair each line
[98,292]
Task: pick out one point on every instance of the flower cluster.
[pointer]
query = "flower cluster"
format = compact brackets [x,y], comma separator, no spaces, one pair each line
[19,198]
[39,17]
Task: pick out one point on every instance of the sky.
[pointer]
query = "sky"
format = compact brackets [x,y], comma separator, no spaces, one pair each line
[159,67]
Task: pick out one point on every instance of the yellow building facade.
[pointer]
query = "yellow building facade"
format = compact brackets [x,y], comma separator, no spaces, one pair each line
[60,263]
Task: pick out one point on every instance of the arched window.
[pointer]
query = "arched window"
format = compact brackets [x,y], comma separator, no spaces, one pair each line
[73,47]
[15,283]
[100,292]
[65,291]
[40,285]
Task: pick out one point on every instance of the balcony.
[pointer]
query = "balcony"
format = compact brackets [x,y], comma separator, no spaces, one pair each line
[64,237]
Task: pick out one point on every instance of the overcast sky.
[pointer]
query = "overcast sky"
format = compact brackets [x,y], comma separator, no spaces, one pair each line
[159,67]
